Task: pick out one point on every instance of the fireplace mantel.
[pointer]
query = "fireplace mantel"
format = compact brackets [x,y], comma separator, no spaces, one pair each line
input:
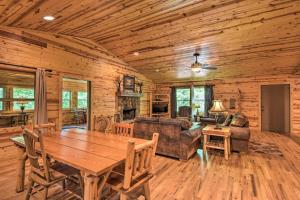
[125,94]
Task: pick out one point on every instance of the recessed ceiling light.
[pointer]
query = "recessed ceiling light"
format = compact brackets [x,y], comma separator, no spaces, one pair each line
[48,18]
[136,53]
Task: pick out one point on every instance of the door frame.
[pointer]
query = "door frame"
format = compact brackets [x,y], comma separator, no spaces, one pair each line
[90,99]
[260,102]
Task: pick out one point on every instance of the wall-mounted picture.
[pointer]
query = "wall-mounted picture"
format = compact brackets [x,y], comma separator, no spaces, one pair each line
[232,103]
[129,82]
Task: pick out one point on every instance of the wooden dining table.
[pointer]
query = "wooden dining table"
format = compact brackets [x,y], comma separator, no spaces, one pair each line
[94,153]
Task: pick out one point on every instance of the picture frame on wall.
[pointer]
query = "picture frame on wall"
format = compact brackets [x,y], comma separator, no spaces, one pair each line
[129,83]
[232,103]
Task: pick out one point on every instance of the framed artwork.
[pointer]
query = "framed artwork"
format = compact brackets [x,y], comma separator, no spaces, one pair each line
[232,103]
[129,83]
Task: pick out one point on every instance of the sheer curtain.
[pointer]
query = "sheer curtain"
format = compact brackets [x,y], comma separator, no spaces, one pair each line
[40,109]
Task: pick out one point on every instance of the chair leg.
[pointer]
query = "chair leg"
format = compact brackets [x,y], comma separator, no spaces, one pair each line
[29,190]
[123,196]
[45,193]
[147,190]
[64,184]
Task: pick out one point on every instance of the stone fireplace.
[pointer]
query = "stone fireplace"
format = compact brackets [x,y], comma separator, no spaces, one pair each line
[128,107]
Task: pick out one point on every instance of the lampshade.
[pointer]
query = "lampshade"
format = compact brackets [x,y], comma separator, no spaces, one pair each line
[217,107]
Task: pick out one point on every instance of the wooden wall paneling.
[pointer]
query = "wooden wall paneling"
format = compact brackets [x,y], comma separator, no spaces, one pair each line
[250,95]
[71,57]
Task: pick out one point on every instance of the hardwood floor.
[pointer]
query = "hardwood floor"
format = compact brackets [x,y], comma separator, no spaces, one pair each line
[243,176]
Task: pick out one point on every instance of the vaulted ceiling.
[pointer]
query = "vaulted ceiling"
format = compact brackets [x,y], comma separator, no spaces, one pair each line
[239,37]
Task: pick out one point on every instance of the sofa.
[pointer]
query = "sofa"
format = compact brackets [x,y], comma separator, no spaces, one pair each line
[175,138]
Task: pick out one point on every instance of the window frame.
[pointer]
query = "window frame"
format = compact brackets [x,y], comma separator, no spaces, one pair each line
[13,99]
[77,106]
[202,108]
[70,100]
[190,98]
[2,99]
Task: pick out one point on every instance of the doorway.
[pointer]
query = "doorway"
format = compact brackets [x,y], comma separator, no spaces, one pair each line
[75,103]
[275,108]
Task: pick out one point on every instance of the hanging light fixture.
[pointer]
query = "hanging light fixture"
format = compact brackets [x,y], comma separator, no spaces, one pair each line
[196,66]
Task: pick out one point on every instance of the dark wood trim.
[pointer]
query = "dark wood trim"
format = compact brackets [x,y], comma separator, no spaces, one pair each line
[22,39]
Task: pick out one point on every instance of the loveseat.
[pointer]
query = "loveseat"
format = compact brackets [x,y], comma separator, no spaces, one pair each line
[239,127]
[240,131]
[175,139]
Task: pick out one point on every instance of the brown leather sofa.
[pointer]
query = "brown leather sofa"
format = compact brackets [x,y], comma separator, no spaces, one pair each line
[173,140]
[240,137]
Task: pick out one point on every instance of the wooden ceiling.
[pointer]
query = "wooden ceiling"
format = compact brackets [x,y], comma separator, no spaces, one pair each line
[239,37]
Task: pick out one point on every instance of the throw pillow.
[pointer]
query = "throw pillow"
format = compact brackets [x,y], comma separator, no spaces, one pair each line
[239,120]
[227,120]
[185,124]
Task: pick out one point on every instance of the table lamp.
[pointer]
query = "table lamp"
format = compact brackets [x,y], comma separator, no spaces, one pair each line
[217,109]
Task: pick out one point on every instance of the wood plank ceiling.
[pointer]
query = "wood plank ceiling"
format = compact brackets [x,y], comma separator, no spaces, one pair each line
[240,37]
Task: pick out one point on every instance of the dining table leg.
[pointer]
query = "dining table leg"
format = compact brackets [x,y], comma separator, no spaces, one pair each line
[90,187]
[22,157]
[93,185]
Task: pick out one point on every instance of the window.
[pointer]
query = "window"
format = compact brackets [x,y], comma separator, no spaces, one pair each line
[1,96]
[183,97]
[66,100]
[198,100]
[25,96]
[81,99]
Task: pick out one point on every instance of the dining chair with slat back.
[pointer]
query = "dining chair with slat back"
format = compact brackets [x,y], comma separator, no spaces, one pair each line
[102,123]
[138,170]
[42,173]
[45,128]
[122,129]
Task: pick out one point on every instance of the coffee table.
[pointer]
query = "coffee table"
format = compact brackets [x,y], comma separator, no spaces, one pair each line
[224,133]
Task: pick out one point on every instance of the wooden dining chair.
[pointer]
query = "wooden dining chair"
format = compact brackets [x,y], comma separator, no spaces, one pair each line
[45,128]
[102,123]
[122,129]
[138,170]
[42,172]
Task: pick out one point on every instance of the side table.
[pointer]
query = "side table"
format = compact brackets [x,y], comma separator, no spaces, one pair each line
[224,133]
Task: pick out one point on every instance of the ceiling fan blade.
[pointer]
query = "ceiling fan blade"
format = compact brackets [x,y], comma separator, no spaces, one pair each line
[209,67]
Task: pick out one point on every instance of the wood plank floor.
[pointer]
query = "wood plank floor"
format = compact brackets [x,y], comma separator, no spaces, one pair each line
[243,176]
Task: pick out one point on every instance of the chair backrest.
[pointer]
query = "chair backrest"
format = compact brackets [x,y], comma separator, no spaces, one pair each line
[102,123]
[45,128]
[139,160]
[185,111]
[31,140]
[122,129]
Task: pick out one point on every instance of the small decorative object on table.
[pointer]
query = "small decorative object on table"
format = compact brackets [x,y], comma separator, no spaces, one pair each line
[217,109]
[197,116]
[22,105]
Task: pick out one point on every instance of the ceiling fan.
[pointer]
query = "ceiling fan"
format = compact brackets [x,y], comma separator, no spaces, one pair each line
[196,66]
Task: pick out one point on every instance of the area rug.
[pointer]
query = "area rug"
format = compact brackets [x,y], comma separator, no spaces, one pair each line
[266,148]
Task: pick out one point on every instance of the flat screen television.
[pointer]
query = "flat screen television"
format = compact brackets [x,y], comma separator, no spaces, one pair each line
[160,108]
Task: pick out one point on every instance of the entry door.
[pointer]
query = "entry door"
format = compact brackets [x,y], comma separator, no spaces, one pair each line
[275,108]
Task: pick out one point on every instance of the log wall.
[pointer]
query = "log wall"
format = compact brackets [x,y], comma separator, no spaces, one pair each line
[249,101]
[73,58]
